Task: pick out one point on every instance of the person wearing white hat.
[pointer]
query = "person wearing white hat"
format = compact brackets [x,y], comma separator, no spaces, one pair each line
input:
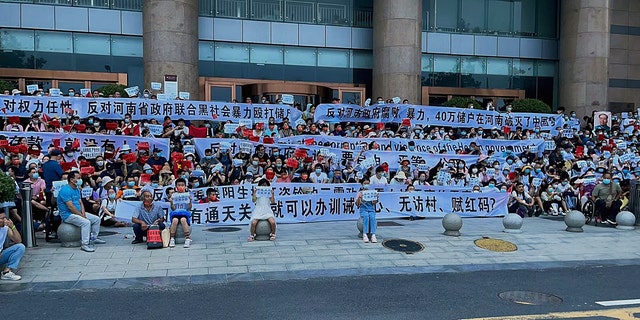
[399,179]
[15,92]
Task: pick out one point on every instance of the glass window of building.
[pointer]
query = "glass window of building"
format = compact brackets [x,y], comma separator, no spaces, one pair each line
[230,52]
[229,8]
[361,59]
[427,63]
[47,41]
[126,46]
[92,44]
[17,40]
[266,10]
[446,64]
[335,12]
[472,16]
[446,15]
[266,54]
[522,67]
[335,58]
[205,51]
[498,66]
[499,17]
[300,11]
[299,56]
[524,17]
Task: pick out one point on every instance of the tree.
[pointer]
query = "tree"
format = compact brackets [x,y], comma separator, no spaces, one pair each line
[462,102]
[530,105]
[111,89]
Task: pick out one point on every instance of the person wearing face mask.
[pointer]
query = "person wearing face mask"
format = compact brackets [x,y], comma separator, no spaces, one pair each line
[108,211]
[156,158]
[337,177]
[367,212]
[38,202]
[130,184]
[379,178]
[147,213]
[606,196]
[318,175]
[520,201]
[180,214]
[422,180]
[212,196]
[491,186]
[254,168]
[549,197]
[72,211]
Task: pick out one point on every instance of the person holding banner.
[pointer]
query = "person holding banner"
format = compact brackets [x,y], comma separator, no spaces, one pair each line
[366,200]
[263,197]
[520,201]
[180,213]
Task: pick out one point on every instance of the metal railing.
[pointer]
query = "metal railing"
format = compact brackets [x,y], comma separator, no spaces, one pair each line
[327,12]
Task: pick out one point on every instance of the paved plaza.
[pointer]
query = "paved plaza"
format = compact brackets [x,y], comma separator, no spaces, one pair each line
[325,249]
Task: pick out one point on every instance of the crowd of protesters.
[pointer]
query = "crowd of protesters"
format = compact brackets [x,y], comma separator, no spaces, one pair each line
[584,168]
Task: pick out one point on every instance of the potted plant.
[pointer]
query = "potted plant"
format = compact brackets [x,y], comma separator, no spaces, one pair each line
[7,192]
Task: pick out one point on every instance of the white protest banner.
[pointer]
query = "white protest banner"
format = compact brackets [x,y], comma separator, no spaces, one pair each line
[218,167]
[396,100]
[263,192]
[57,185]
[145,109]
[162,96]
[237,162]
[91,152]
[370,195]
[423,167]
[86,192]
[431,160]
[368,163]
[625,157]
[591,180]
[536,182]
[436,116]
[246,147]
[132,91]
[181,198]
[581,164]
[287,98]
[184,95]
[85,92]
[473,182]
[443,177]
[549,145]
[155,129]
[299,122]
[128,193]
[32,88]
[171,85]
[367,102]
[189,149]
[248,123]
[491,172]
[567,133]
[621,145]
[156,86]
[55,92]
[230,128]
[46,139]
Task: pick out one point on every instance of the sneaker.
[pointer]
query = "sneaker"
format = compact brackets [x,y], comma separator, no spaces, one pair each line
[86,248]
[373,238]
[172,242]
[365,238]
[611,222]
[10,276]
[136,241]
[187,243]
[99,241]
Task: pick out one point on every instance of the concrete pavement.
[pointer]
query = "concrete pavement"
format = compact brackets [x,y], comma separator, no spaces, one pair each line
[320,250]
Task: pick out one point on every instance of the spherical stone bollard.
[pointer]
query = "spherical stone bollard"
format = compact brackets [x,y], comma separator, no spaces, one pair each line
[263,229]
[512,223]
[69,235]
[625,220]
[574,221]
[452,224]
[180,234]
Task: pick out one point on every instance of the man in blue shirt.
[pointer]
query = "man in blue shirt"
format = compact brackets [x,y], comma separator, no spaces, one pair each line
[72,211]
[51,171]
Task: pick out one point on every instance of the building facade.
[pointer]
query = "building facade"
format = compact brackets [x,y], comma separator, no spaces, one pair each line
[319,49]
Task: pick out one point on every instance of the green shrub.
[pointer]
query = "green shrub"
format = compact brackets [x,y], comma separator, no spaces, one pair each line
[7,188]
[112,88]
[6,85]
[461,102]
[530,105]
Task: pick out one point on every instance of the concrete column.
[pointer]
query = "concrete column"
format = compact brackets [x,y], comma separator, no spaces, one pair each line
[397,45]
[170,35]
[584,55]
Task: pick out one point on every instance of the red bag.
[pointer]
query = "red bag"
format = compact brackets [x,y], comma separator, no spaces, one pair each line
[4,143]
[292,163]
[309,141]
[406,122]
[154,238]
[81,127]
[111,125]
[300,153]
[380,126]
[254,139]
[13,149]
[267,140]
[66,166]
[144,178]
[84,163]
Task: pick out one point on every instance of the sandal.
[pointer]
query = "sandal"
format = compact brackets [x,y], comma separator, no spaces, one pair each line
[272,236]
[251,238]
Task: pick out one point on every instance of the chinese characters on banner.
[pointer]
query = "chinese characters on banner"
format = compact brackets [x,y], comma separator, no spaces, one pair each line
[144,109]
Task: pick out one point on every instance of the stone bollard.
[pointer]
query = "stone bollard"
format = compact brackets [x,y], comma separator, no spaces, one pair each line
[180,234]
[625,220]
[452,224]
[263,229]
[69,235]
[575,221]
[512,223]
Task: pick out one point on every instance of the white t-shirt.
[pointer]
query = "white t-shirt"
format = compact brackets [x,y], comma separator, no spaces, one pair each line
[315,178]
[374,180]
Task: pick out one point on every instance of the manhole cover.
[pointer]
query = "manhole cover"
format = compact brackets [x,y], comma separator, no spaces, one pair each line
[106,233]
[530,297]
[406,246]
[389,224]
[223,229]
[496,245]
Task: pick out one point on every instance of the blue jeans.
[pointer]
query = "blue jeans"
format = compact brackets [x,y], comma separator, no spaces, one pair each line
[369,222]
[11,256]
[88,225]
[139,233]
